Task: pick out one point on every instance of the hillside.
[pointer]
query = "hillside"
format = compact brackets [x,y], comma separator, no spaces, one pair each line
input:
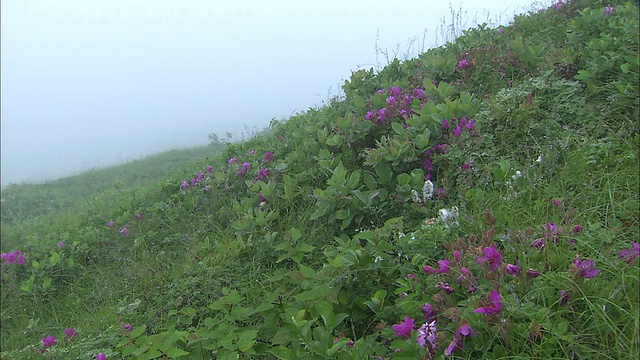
[478,201]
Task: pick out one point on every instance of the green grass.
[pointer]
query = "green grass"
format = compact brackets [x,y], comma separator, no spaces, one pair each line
[312,258]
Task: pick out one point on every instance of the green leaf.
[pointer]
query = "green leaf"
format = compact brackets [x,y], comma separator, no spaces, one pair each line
[398,128]
[282,352]
[342,214]
[46,283]
[354,180]
[326,312]
[137,331]
[175,352]
[384,173]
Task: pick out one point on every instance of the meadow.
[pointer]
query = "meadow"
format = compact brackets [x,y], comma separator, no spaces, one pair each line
[478,201]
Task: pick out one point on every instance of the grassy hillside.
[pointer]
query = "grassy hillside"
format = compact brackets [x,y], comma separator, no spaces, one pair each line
[478,201]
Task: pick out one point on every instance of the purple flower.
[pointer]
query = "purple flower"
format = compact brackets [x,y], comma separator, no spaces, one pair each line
[262,198]
[462,64]
[209,168]
[380,91]
[427,165]
[470,124]
[446,287]
[418,93]
[577,229]
[608,10]
[462,332]
[445,124]
[69,334]
[586,268]
[14,257]
[533,273]
[428,333]
[457,132]
[240,173]
[429,312]
[138,216]
[493,308]
[252,152]
[441,193]
[630,255]
[101,356]
[110,224]
[557,6]
[513,270]
[124,231]
[565,296]
[193,181]
[492,256]
[369,115]
[556,202]
[60,244]
[391,100]
[465,166]
[444,268]
[500,30]
[440,148]
[457,256]
[128,327]
[268,156]
[263,173]
[463,122]
[539,243]
[232,161]
[49,341]
[510,83]
[246,166]
[184,186]
[405,328]
[412,276]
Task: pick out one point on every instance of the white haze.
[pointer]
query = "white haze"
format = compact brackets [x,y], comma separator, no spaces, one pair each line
[93,83]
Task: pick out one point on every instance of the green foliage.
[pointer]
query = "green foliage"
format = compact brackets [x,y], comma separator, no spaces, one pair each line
[323,232]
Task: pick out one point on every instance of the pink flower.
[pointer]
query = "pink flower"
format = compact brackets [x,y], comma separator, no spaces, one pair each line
[268,156]
[209,168]
[493,308]
[101,356]
[411,276]
[444,268]
[586,268]
[492,256]
[232,161]
[14,257]
[405,328]
[49,341]
[630,255]
[124,231]
[69,334]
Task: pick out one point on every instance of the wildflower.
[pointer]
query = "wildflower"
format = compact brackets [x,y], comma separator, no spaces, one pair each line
[60,244]
[445,124]
[414,196]
[556,202]
[510,83]
[492,256]
[539,243]
[428,333]
[457,256]
[391,100]
[427,165]
[463,122]
[467,277]
[138,216]
[462,332]
[440,148]
[533,273]
[232,161]
[252,152]
[49,341]
[427,190]
[444,268]
[405,328]
[457,131]
[442,193]
[449,217]
[124,231]
[128,327]
[183,186]
[465,166]
[553,231]
[101,356]
[418,93]
[565,296]
[630,256]
[513,270]
[608,10]
[557,6]
[69,334]
[412,276]
[369,115]
[193,182]
[462,64]
[585,268]
[500,30]
[470,125]
[209,168]
[446,287]
[494,307]
[110,224]
[429,312]
[263,173]
[14,257]
[268,156]
[206,189]
[576,229]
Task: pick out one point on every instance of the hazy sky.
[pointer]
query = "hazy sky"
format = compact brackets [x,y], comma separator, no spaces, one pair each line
[91,83]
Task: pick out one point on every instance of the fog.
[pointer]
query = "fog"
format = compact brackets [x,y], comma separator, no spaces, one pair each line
[93,83]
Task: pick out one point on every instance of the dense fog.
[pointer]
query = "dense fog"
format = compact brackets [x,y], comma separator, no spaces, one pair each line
[92,83]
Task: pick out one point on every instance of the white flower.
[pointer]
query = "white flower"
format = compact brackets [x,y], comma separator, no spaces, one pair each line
[378,259]
[449,217]
[516,175]
[540,158]
[415,197]
[427,190]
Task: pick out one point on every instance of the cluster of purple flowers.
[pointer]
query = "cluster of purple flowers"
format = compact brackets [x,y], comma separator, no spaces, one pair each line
[263,173]
[552,232]
[608,10]
[463,64]
[398,104]
[195,181]
[461,125]
[14,257]
[69,335]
